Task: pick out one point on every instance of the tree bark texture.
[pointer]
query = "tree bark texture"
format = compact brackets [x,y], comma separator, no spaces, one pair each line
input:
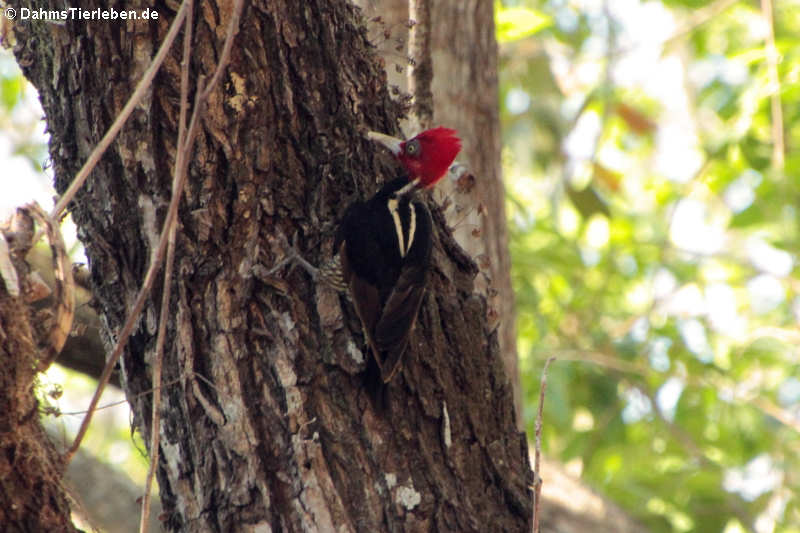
[32,495]
[465,96]
[270,427]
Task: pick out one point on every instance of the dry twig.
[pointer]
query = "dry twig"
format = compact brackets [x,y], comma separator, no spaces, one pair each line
[181,155]
[620,365]
[149,278]
[178,184]
[537,482]
[774,86]
[64,293]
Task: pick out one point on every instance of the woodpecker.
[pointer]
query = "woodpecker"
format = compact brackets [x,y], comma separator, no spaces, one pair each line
[383,246]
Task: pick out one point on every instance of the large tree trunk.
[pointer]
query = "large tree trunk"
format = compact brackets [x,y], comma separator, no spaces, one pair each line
[271,428]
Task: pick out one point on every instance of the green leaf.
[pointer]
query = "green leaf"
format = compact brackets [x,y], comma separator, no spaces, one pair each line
[751,216]
[10,91]
[514,23]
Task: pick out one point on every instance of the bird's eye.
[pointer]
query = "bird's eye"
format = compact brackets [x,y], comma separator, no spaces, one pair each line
[412,147]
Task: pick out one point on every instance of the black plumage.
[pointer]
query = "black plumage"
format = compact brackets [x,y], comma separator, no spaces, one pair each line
[384,245]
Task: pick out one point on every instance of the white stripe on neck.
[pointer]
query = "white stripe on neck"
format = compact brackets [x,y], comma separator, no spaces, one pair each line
[412,226]
[408,187]
[398,225]
[394,204]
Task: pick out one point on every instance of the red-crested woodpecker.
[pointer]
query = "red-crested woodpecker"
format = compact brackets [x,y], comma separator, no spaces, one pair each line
[383,246]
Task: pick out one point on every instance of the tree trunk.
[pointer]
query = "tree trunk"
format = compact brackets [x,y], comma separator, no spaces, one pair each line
[32,496]
[271,427]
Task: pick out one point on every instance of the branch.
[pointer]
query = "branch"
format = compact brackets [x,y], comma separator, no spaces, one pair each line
[64,287]
[698,17]
[158,256]
[420,75]
[604,360]
[172,212]
[774,87]
[105,495]
[179,171]
[537,483]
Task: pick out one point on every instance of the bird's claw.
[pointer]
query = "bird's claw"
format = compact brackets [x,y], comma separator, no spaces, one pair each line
[289,253]
[292,256]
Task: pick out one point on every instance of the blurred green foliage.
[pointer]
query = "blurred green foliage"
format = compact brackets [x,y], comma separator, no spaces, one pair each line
[18,128]
[654,234]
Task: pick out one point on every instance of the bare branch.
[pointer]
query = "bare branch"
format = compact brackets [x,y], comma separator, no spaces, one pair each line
[774,87]
[64,293]
[620,365]
[172,212]
[181,155]
[537,483]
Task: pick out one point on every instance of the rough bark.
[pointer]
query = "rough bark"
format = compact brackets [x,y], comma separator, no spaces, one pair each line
[279,434]
[32,496]
[465,96]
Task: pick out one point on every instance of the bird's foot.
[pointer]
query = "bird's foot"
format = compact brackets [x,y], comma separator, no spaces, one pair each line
[291,257]
[329,274]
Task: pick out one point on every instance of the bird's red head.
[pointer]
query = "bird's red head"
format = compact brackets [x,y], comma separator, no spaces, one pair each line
[427,156]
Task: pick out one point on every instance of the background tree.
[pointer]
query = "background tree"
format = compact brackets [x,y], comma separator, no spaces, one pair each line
[651,163]
[270,424]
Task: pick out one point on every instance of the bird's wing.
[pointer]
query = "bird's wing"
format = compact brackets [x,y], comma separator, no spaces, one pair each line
[394,327]
[366,299]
